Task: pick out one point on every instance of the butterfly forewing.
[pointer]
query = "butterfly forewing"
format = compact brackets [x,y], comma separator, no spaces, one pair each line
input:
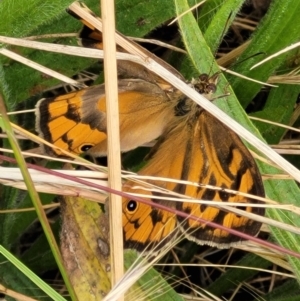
[76,122]
[226,163]
[91,37]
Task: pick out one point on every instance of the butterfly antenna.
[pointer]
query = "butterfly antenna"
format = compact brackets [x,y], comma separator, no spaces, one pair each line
[225,29]
[211,81]
[243,60]
[247,58]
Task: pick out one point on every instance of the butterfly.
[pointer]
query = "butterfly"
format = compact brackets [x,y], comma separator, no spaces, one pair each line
[192,146]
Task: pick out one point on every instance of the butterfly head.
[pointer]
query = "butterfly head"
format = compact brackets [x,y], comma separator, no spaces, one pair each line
[206,84]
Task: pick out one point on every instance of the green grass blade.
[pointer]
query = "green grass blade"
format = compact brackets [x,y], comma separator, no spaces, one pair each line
[34,278]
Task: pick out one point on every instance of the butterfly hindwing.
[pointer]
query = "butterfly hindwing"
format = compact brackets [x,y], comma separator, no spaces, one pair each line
[200,149]
[228,164]
[145,226]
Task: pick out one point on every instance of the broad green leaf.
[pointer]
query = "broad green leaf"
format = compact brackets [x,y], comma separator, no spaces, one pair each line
[278,108]
[86,265]
[224,14]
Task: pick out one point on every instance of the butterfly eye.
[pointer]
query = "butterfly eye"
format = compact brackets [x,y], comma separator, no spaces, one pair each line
[203,77]
[132,206]
[211,88]
[86,147]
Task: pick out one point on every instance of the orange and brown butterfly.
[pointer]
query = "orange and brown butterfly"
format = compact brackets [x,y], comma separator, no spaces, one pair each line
[193,146]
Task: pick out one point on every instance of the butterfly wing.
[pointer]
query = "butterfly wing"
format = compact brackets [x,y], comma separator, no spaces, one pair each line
[146,226]
[76,121]
[160,224]
[202,150]
[91,37]
[218,157]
